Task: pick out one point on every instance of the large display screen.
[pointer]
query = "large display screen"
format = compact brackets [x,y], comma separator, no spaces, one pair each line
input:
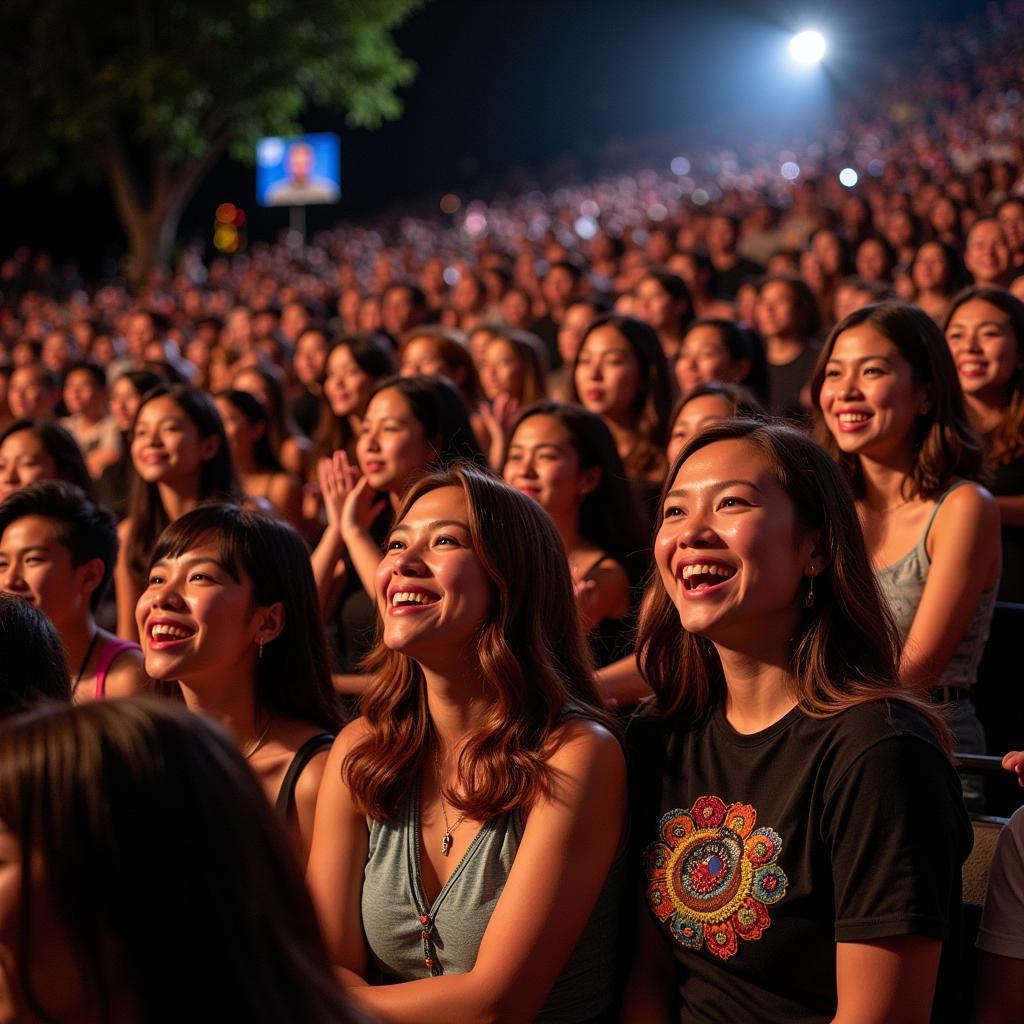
[298,171]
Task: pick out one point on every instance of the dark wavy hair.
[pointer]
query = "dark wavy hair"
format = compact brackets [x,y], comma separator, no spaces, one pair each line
[453,350]
[293,678]
[653,402]
[534,666]
[60,446]
[140,812]
[944,441]
[33,668]
[217,478]
[1005,443]
[846,649]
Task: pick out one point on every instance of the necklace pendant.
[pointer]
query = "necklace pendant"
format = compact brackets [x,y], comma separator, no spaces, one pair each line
[446,844]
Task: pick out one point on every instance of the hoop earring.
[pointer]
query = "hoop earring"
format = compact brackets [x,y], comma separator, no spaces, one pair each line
[809,597]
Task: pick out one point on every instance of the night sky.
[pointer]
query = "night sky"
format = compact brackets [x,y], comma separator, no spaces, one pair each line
[516,85]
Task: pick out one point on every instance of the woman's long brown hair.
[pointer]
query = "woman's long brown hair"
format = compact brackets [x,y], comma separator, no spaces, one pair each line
[846,651]
[533,666]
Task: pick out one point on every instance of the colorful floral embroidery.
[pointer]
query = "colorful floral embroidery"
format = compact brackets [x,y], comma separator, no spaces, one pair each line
[712,875]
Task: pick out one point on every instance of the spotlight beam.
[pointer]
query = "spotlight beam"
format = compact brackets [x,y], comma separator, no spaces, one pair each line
[807,47]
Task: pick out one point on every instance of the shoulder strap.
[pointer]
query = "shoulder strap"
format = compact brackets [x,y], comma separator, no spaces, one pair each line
[938,504]
[305,754]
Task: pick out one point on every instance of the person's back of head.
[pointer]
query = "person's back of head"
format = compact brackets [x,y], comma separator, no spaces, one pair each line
[33,668]
[167,890]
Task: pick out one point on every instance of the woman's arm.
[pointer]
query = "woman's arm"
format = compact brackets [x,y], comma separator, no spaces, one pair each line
[337,858]
[307,791]
[1000,990]
[126,593]
[569,842]
[966,557]
[888,981]
[621,684]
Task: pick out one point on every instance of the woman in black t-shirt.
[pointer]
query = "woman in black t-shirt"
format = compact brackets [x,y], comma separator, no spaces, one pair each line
[803,845]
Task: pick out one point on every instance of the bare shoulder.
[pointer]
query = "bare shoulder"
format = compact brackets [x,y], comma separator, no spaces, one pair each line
[350,736]
[583,745]
[307,786]
[969,505]
[124,529]
[126,675]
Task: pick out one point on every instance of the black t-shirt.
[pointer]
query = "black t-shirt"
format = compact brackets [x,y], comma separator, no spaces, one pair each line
[765,850]
[726,283]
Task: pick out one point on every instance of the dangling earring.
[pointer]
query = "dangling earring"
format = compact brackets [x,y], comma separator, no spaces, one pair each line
[809,597]
[259,643]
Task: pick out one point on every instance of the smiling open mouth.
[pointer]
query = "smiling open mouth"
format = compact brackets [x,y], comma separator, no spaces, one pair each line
[403,598]
[702,576]
[164,633]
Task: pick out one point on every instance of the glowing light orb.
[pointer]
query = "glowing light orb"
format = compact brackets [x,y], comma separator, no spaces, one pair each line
[848,177]
[807,47]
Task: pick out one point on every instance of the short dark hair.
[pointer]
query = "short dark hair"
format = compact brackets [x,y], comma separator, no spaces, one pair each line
[85,529]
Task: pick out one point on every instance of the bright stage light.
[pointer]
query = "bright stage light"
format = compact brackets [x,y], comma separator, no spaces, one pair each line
[807,47]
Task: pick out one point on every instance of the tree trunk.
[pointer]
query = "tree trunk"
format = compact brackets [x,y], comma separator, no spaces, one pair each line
[151,229]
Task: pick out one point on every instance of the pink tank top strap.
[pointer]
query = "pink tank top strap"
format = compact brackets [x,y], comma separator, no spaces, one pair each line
[106,659]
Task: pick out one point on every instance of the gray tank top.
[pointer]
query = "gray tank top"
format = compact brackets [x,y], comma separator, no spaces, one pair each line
[410,939]
[902,584]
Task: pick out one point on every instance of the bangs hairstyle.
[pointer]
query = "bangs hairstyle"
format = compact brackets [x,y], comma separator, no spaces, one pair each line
[1005,442]
[534,666]
[945,444]
[653,401]
[846,650]
[293,678]
[141,812]
[217,479]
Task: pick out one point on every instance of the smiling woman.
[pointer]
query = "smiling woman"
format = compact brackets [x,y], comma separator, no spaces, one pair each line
[804,826]
[891,411]
[470,822]
[229,615]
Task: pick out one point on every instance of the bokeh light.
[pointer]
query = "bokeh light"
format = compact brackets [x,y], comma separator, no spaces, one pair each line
[450,203]
[790,170]
[848,177]
[680,166]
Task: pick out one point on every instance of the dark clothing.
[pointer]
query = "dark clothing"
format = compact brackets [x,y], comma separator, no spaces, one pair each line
[1009,480]
[305,410]
[546,328]
[765,850]
[726,283]
[786,381]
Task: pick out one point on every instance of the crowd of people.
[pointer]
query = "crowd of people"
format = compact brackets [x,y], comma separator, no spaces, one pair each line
[585,597]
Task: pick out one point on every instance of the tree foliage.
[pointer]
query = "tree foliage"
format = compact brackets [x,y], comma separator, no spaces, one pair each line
[150,93]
